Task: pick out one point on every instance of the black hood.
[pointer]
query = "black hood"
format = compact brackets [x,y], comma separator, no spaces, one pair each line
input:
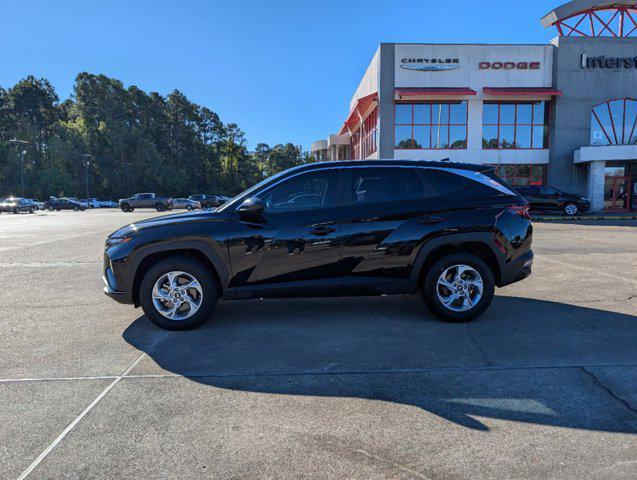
[175,218]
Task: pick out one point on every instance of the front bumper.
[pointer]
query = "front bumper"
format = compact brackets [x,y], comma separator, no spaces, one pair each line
[111,287]
[516,270]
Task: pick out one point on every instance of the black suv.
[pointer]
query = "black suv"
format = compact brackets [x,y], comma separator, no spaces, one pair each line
[550,199]
[453,231]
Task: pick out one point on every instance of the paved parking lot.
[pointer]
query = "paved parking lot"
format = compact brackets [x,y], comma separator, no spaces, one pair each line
[544,385]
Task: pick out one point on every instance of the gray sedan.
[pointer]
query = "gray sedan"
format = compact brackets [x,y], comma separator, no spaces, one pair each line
[185,203]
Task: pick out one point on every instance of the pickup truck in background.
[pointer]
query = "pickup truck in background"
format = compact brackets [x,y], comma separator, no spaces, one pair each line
[145,200]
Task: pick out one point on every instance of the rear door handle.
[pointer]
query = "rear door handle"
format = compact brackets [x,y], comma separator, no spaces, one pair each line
[430,220]
[322,230]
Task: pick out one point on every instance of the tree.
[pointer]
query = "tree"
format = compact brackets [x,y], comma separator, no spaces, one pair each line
[137,141]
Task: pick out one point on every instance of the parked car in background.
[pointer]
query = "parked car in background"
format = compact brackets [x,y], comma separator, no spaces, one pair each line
[549,199]
[64,203]
[449,230]
[17,205]
[82,201]
[145,200]
[186,203]
[208,201]
[97,203]
[38,204]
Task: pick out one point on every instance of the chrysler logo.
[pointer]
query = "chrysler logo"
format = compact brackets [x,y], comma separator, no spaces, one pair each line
[430,64]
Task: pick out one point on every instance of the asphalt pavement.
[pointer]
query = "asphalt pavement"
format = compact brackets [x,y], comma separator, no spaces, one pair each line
[544,385]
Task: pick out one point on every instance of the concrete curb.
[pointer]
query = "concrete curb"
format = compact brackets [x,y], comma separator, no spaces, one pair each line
[584,217]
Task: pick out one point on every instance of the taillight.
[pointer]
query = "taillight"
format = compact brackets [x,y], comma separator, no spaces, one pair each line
[521,210]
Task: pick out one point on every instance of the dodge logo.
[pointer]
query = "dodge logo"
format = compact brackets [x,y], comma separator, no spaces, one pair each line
[509,65]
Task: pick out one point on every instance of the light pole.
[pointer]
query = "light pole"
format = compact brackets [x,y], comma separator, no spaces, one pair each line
[86,157]
[22,154]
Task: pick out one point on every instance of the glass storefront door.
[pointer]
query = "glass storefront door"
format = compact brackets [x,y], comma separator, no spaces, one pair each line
[617,192]
[618,188]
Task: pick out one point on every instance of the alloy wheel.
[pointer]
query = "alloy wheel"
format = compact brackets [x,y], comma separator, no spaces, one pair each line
[570,209]
[459,288]
[177,295]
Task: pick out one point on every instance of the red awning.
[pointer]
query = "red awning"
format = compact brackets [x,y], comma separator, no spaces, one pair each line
[434,92]
[522,91]
[362,104]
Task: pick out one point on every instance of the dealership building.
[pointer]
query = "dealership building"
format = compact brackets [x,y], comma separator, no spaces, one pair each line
[562,114]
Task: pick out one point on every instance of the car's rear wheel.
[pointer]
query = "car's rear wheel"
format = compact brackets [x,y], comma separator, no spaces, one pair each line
[76,208]
[188,207]
[160,207]
[458,287]
[32,210]
[126,207]
[571,209]
[178,293]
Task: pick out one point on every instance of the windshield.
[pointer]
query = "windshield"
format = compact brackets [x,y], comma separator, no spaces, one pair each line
[233,202]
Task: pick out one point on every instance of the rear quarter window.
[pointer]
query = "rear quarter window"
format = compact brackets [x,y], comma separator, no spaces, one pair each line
[440,183]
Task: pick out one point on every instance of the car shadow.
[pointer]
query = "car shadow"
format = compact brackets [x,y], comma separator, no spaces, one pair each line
[524,360]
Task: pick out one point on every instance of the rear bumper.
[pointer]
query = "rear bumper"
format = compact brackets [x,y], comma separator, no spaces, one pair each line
[516,270]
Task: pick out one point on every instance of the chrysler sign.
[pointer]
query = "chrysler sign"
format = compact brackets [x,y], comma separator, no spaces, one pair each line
[430,64]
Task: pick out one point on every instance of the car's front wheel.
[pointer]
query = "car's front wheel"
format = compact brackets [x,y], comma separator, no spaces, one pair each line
[571,209]
[458,287]
[160,207]
[126,207]
[178,293]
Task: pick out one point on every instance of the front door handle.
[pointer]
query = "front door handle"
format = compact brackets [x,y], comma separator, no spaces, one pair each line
[430,220]
[322,230]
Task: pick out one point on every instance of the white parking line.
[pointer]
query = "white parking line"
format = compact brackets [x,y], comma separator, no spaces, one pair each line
[590,270]
[70,427]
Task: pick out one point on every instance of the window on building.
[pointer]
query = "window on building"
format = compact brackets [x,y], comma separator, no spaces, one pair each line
[523,174]
[431,125]
[515,125]
[614,123]
[363,141]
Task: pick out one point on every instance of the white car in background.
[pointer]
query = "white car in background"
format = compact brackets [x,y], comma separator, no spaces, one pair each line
[97,203]
[186,203]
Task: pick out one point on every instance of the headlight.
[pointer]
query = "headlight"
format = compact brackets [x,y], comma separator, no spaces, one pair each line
[112,241]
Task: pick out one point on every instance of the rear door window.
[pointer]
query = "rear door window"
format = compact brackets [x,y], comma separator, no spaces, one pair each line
[382,185]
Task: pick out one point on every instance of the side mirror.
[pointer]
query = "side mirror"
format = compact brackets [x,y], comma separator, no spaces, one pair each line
[251,206]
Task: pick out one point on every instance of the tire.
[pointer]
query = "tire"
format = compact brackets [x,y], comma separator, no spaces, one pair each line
[126,207]
[57,209]
[432,288]
[188,207]
[189,267]
[571,209]
[160,207]
[15,211]
[32,210]
[50,208]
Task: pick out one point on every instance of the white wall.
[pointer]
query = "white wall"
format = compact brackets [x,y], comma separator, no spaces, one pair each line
[369,82]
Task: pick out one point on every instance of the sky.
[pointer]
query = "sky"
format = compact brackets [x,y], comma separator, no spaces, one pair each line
[283,70]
